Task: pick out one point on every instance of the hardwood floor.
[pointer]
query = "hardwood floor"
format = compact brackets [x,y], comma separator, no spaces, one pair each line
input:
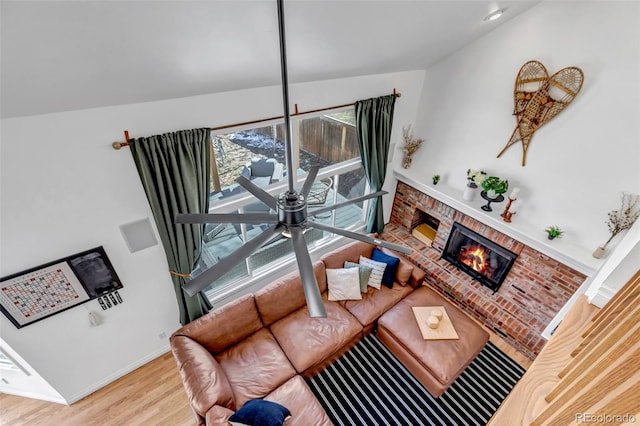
[505,347]
[151,395]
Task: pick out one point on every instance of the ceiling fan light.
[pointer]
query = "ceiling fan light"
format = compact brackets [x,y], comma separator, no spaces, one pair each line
[495,14]
[287,234]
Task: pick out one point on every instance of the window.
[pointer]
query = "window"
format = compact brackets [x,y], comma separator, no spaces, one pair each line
[258,153]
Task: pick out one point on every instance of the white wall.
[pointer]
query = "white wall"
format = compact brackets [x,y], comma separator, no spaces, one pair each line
[64,190]
[579,163]
[621,265]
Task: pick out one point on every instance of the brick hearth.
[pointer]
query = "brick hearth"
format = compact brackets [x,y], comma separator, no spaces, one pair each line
[533,292]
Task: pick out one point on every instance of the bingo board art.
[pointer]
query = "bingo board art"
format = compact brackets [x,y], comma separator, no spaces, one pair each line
[38,293]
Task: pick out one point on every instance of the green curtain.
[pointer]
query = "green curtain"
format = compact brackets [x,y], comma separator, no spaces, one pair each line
[174,170]
[374,118]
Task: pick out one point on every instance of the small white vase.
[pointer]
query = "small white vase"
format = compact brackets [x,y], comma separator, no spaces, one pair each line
[492,194]
[469,191]
[599,252]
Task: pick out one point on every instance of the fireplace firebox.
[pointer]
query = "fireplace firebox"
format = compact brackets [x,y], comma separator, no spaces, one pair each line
[483,259]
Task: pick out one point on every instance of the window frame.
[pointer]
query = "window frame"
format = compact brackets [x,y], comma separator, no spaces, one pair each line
[239,201]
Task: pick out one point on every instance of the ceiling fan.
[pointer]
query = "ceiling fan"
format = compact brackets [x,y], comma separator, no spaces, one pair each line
[291,218]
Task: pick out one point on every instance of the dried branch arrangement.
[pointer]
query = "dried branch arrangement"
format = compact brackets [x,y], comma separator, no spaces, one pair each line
[411,145]
[621,219]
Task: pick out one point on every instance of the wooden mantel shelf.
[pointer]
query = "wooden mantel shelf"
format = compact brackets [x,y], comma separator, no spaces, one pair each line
[526,400]
[578,258]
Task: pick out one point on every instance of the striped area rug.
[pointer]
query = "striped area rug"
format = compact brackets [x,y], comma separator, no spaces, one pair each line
[369,386]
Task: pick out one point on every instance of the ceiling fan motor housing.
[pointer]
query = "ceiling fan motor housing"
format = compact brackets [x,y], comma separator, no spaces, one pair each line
[292,209]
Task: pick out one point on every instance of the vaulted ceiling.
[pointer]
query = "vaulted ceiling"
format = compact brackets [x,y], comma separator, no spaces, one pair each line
[68,55]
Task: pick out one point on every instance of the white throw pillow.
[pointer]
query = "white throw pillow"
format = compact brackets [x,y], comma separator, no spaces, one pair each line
[375,279]
[344,284]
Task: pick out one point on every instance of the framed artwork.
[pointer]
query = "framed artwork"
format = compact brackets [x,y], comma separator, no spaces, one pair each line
[38,293]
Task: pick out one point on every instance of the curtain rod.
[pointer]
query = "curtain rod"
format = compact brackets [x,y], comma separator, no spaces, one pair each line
[118,145]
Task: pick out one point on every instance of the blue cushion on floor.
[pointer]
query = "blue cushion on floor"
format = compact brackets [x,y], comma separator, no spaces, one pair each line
[258,412]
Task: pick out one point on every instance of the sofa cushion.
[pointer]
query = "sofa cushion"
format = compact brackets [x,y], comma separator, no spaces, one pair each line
[204,379]
[305,409]
[408,272]
[308,341]
[403,274]
[226,325]
[255,367]
[218,416]
[377,271]
[285,295]
[294,394]
[375,303]
[350,252]
[405,267]
[261,412]
[344,284]
[364,272]
[392,262]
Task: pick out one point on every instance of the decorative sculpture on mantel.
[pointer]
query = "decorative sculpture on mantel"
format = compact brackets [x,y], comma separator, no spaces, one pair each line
[538,98]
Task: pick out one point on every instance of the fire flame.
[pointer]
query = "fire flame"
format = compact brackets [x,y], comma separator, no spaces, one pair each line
[474,257]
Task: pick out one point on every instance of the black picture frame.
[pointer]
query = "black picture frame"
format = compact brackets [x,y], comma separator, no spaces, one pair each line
[40,292]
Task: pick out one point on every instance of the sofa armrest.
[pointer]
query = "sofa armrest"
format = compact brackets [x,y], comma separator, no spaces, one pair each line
[417,277]
[203,378]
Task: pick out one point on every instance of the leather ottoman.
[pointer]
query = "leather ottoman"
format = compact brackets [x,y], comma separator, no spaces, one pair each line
[435,363]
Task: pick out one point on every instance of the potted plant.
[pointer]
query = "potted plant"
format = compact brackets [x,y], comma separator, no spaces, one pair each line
[474,178]
[554,232]
[494,186]
[435,179]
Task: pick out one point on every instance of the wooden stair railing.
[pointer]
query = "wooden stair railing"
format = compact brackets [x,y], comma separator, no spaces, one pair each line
[597,382]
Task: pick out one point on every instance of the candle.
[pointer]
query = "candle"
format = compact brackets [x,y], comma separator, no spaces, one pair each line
[433,322]
[514,194]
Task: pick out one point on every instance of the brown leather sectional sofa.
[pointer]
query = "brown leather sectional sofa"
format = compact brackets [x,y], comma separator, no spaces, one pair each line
[263,345]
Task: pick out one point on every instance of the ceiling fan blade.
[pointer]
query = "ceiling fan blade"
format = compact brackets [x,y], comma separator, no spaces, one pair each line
[250,218]
[311,177]
[258,192]
[346,203]
[360,237]
[228,262]
[309,282]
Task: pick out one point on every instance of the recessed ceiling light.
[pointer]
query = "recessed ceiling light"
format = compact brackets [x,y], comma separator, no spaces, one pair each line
[495,14]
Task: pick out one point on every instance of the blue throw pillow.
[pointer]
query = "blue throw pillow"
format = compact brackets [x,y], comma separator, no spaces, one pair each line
[392,266]
[259,412]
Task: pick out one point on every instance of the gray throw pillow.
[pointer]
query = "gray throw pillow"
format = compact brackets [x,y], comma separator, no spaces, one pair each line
[375,280]
[364,272]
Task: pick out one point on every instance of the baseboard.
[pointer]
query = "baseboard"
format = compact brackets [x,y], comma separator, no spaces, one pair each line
[34,395]
[118,374]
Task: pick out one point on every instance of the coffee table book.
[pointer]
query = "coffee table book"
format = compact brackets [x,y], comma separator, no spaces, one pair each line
[445,330]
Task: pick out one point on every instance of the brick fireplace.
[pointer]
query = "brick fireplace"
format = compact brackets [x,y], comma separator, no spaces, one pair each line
[534,290]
